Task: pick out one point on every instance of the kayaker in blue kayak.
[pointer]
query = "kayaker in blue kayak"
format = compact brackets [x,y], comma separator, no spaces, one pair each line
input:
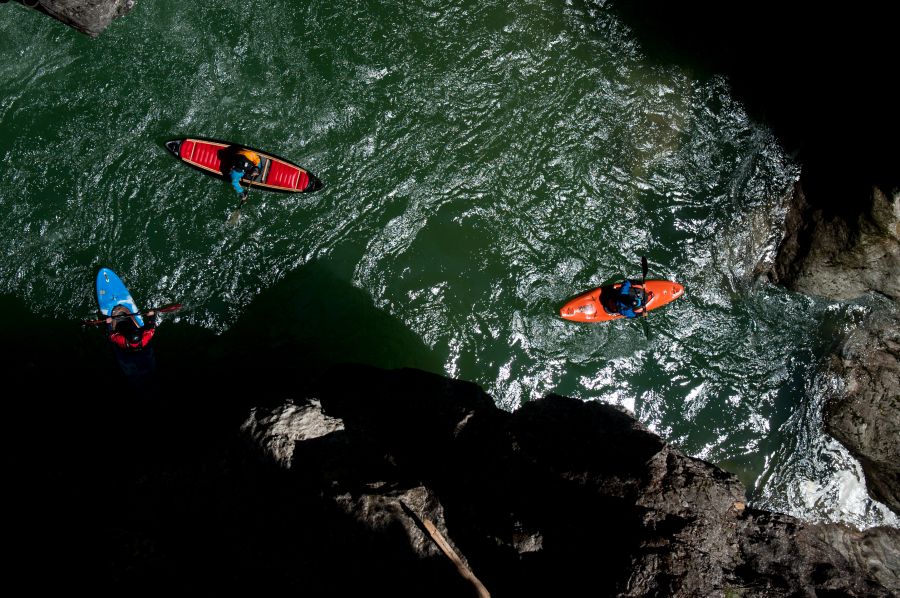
[630,300]
[246,165]
[125,333]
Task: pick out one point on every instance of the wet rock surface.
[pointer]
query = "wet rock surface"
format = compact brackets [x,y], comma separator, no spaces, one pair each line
[842,256]
[863,412]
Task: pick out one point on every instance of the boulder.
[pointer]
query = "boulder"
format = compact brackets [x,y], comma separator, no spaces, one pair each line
[88,16]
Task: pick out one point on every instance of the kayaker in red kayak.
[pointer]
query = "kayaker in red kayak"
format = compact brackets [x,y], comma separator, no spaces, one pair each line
[245,165]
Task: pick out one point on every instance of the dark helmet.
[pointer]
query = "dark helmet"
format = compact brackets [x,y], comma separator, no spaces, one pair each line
[242,163]
[125,326]
[135,338]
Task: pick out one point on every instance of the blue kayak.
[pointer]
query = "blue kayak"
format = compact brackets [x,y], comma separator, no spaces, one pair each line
[111,292]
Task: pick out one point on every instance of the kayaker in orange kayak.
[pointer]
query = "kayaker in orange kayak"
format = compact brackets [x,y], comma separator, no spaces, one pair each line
[630,300]
[626,299]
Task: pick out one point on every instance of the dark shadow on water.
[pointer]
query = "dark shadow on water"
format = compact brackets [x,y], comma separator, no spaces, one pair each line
[309,320]
[312,319]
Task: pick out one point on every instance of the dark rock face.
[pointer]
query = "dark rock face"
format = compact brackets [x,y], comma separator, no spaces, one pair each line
[838,255]
[88,16]
[864,414]
[813,76]
[216,483]
[788,558]
[562,496]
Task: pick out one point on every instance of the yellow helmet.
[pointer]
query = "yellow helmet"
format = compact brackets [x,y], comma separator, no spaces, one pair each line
[250,155]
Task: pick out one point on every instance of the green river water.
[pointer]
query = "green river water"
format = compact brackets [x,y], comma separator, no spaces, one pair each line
[483,163]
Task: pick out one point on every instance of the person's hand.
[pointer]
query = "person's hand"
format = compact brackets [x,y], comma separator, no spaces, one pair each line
[109,320]
[151,313]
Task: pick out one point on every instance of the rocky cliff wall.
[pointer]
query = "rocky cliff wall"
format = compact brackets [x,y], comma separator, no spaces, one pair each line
[840,256]
[864,409]
[263,476]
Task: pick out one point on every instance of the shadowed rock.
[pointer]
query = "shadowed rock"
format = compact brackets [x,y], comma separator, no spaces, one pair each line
[564,495]
[223,487]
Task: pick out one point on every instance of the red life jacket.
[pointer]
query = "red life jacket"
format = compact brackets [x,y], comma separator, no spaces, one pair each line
[119,340]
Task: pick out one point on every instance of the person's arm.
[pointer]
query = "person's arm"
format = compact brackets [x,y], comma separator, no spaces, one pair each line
[236,181]
[626,287]
[147,336]
[150,320]
[117,339]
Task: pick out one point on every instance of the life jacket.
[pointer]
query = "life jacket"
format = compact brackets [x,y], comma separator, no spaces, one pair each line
[125,331]
[246,159]
[630,296]
[122,341]
[631,302]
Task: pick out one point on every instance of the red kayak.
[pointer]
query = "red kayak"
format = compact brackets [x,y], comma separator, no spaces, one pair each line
[216,157]
[598,305]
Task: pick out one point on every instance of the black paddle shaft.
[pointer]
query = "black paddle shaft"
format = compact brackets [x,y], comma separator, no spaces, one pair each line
[163,309]
[644,268]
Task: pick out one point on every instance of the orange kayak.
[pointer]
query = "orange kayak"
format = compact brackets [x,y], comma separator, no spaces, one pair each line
[598,305]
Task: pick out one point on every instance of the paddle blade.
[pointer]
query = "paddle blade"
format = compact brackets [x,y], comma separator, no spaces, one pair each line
[235,215]
[168,308]
[644,266]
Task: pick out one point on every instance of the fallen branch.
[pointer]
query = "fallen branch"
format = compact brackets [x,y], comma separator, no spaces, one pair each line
[448,551]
